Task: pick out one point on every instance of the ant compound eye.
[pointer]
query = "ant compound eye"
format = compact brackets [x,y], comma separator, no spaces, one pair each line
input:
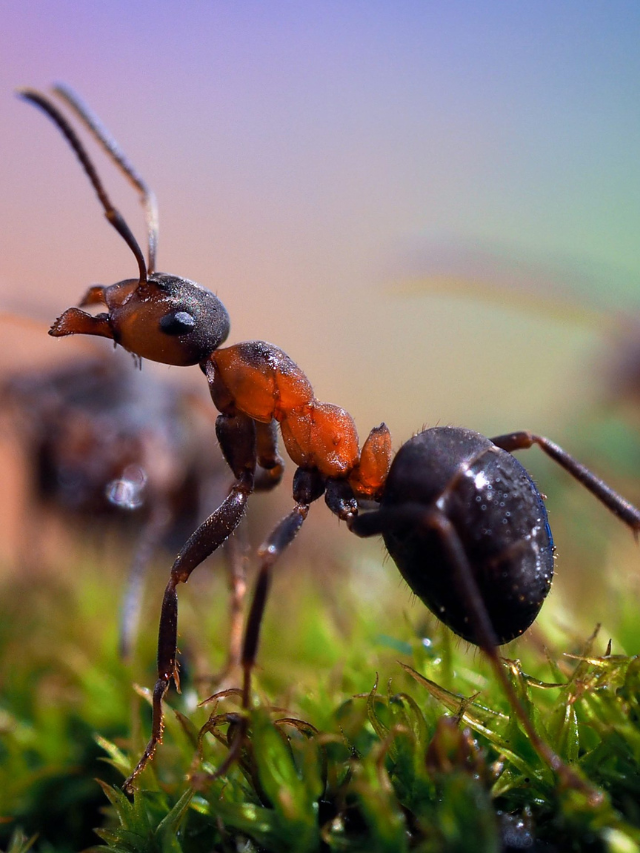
[177,323]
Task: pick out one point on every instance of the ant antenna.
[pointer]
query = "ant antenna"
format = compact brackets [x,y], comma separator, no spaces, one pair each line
[114,217]
[110,145]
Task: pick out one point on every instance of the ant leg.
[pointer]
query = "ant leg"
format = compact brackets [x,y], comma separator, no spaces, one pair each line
[237,558]
[308,486]
[268,553]
[209,536]
[379,521]
[614,502]
[271,464]
[268,476]
[488,642]
[235,552]
[236,434]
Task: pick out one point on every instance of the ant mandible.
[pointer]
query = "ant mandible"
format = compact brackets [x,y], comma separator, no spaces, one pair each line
[461,517]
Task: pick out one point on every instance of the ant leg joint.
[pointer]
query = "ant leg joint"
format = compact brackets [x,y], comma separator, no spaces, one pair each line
[237,438]
[520,440]
[615,503]
[308,485]
[271,464]
[341,500]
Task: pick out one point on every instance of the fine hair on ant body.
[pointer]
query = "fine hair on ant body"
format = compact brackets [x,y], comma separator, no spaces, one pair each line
[461,517]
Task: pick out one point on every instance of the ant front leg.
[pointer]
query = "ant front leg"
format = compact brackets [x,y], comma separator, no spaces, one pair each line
[268,476]
[523,440]
[237,437]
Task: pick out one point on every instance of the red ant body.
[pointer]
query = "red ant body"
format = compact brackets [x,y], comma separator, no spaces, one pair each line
[460,516]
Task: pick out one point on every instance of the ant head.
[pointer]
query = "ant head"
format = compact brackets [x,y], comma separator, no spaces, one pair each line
[167,319]
[161,317]
[164,318]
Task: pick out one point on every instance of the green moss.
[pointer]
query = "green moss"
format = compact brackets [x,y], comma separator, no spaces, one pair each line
[423,757]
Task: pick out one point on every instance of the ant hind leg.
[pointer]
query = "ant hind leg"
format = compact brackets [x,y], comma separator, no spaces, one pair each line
[615,503]
[381,521]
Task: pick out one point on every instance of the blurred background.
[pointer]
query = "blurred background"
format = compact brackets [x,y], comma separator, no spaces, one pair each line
[349,178]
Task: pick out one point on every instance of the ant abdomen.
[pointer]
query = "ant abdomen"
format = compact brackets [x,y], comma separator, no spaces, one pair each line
[499,518]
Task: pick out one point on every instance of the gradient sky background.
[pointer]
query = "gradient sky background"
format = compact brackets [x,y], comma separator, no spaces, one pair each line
[309,158]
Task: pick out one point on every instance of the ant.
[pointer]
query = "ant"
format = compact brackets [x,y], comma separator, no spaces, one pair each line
[460,516]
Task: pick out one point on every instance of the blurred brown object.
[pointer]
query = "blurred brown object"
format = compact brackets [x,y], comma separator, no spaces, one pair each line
[92,447]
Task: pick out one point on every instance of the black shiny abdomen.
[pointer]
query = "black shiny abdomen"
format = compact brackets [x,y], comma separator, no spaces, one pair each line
[498,515]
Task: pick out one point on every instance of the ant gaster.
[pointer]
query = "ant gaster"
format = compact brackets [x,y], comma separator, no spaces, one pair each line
[460,516]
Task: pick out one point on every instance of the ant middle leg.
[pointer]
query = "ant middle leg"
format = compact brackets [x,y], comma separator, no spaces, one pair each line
[615,503]
[236,555]
[308,486]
